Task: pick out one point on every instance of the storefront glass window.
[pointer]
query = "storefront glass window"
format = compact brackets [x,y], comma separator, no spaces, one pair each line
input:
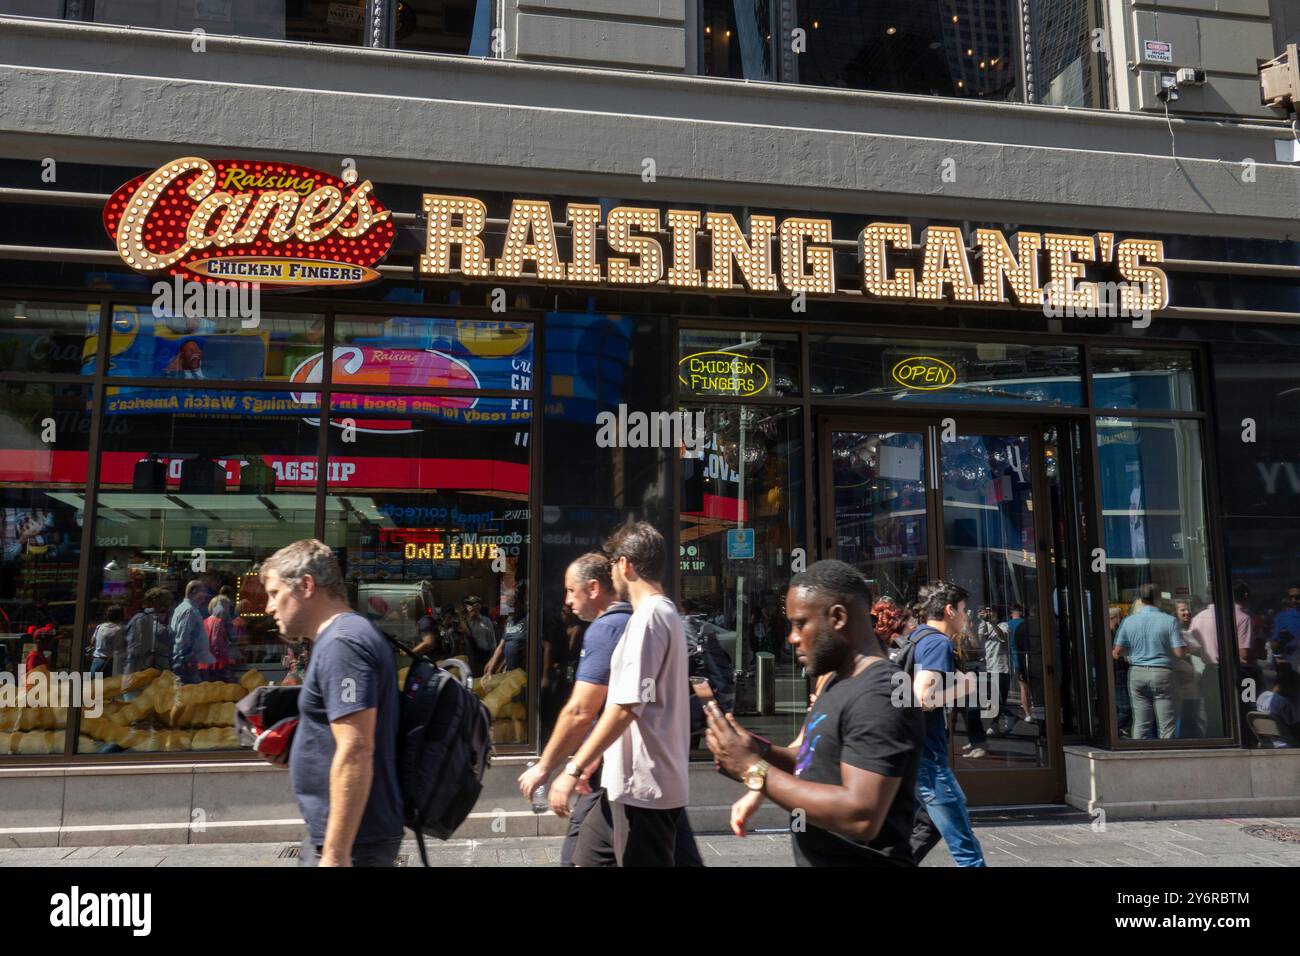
[279,347]
[944,372]
[738,364]
[52,9]
[1156,532]
[44,431]
[588,487]
[417,352]
[736,39]
[742,513]
[47,337]
[444,26]
[1142,378]
[427,509]
[196,488]
[968,49]
[316,21]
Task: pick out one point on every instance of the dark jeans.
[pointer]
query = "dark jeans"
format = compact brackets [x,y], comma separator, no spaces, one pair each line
[363,854]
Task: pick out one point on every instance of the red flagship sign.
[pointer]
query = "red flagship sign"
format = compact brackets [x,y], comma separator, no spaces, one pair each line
[237,221]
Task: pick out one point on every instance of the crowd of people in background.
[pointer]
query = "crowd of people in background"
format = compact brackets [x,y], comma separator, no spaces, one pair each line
[1168,670]
[197,637]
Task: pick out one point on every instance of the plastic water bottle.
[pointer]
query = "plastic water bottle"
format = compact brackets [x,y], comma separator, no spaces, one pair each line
[540,803]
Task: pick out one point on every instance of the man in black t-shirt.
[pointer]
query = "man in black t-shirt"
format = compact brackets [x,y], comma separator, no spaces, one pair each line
[850,779]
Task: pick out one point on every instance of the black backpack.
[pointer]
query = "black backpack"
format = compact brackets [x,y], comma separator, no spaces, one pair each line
[905,656]
[444,744]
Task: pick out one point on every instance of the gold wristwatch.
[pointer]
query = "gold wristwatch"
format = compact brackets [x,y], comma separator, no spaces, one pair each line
[755,778]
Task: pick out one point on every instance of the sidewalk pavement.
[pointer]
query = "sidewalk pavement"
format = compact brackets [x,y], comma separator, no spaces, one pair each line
[1065,839]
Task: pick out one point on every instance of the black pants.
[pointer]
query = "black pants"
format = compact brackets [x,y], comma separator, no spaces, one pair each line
[925,835]
[589,841]
[363,854]
[594,841]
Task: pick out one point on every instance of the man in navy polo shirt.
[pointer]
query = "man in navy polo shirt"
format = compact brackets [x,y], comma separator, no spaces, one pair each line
[589,594]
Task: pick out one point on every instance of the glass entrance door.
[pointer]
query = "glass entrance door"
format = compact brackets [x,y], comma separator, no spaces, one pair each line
[968,503]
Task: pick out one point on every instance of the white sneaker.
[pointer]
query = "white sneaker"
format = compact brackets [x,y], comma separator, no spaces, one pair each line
[976,753]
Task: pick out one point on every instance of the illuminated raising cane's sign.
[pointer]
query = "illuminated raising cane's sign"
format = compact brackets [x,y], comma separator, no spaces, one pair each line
[239,221]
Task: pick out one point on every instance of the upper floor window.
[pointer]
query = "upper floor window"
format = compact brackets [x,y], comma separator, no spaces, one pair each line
[736,39]
[434,26]
[1038,51]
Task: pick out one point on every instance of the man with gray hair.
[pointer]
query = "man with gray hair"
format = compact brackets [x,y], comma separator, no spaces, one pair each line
[343,762]
[589,594]
[189,637]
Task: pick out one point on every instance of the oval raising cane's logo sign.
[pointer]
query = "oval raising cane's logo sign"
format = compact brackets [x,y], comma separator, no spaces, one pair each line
[239,221]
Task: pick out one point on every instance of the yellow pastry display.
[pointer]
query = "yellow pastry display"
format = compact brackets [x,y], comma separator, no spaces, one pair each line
[503,691]
[252,679]
[115,687]
[38,742]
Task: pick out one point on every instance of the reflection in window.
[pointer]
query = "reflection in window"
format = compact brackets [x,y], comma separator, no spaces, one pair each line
[46,337]
[741,515]
[444,26]
[315,21]
[1066,67]
[966,48]
[52,9]
[880,509]
[1156,532]
[279,348]
[928,371]
[427,509]
[1141,378]
[417,352]
[738,364]
[43,441]
[434,26]
[736,39]
[587,490]
[196,488]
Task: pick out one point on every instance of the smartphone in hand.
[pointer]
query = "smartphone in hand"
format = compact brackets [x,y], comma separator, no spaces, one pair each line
[704,691]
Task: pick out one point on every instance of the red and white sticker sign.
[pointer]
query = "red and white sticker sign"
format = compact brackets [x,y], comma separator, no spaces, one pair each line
[1157,51]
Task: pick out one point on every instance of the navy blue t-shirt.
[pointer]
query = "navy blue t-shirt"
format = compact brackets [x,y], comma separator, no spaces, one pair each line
[603,635]
[351,668]
[934,653]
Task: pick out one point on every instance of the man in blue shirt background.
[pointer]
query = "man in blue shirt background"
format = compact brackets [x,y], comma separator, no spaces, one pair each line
[935,687]
[1151,640]
[1286,626]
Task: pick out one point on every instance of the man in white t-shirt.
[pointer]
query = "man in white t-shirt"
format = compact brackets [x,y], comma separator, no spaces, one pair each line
[644,732]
